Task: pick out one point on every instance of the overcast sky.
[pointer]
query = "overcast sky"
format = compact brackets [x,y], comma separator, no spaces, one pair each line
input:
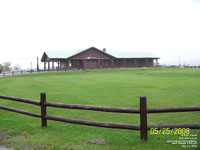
[166,28]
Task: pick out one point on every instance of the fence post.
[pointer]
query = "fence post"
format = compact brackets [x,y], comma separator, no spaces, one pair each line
[43,109]
[143,118]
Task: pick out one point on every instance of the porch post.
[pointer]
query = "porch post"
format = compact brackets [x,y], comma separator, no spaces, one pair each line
[124,62]
[53,65]
[45,65]
[58,65]
[136,62]
[48,65]
[66,66]
[147,63]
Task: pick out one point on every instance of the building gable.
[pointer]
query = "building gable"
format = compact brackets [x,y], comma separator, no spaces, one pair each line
[92,53]
[44,57]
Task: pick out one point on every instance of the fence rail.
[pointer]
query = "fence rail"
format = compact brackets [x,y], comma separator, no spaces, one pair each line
[90,107]
[93,123]
[20,111]
[143,127]
[35,102]
[173,109]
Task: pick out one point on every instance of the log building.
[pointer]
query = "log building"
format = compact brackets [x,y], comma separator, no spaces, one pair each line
[93,58]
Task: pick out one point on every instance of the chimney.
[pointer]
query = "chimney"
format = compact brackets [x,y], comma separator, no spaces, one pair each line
[104,50]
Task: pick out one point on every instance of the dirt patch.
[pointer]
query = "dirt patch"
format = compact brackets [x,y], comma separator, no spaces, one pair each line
[3,134]
[9,134]
[95,141]
[5,148]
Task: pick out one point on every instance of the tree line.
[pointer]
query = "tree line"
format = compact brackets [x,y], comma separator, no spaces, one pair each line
[6,66]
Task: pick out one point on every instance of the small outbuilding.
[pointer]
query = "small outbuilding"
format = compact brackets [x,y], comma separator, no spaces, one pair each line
[93,58]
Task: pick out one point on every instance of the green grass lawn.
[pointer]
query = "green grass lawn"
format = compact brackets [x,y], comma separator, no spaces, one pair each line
[109,87]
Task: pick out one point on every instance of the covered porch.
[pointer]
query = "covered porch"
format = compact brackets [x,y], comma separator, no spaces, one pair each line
[58,64]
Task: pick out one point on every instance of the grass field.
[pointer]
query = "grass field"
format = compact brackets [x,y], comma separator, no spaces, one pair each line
[110,87]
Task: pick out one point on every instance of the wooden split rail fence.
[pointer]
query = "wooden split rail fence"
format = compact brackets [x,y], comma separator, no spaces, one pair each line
[143,127]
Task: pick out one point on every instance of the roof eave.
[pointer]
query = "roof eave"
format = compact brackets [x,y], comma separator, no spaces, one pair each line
[137,57]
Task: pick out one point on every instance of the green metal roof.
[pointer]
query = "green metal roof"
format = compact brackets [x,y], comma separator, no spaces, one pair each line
[63,54]
[67,54]
[59,54]
[132,55]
